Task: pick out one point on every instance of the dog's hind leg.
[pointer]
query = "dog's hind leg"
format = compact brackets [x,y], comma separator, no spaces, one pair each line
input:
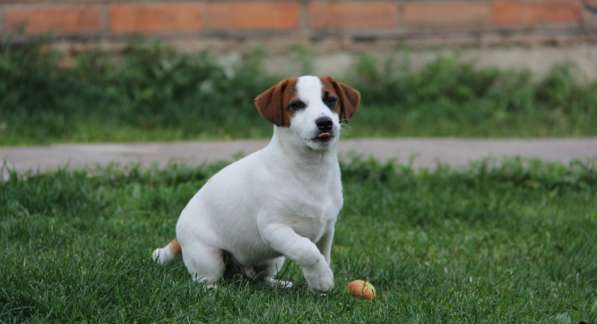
[204,263]
[167,253]
[273,267]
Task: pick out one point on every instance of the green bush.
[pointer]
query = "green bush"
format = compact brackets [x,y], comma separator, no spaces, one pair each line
[155,93]
[448,98]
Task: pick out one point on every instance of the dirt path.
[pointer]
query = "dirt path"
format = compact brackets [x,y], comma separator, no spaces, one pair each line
[425,152]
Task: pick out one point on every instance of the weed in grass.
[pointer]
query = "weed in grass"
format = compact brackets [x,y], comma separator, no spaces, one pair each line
[155,93]
[508,243]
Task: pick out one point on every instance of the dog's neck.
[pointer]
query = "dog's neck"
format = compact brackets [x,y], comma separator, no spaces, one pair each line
[295,154]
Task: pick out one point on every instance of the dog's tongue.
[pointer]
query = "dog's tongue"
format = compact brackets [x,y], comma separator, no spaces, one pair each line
[324,136]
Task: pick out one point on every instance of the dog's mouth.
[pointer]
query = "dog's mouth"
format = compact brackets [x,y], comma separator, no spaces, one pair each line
[323,137]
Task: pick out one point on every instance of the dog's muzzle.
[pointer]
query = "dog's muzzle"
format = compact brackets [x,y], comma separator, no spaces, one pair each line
[325,126]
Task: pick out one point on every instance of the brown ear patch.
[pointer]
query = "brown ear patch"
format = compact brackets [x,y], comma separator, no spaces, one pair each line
[348,97]
[272,104]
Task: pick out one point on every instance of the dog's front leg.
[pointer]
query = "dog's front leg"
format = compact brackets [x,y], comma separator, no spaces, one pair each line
[301,250]
[325,245]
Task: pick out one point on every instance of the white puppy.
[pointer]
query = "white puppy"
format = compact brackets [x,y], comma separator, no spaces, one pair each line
[281,201]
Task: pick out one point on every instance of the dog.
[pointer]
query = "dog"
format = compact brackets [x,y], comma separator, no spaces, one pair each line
[279,202]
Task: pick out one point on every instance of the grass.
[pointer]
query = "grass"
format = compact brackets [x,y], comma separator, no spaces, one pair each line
[509,243]
[154,93]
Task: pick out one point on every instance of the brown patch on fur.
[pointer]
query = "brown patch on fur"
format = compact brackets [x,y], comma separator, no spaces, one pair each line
[348,97]
[272,104]
[175,247]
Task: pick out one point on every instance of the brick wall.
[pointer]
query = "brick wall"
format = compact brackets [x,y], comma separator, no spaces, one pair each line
[345,21]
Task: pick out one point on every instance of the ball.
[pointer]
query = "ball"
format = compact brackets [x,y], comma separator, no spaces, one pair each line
[361,289]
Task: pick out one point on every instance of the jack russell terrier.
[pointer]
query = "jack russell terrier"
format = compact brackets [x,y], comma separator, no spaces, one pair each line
[279,202]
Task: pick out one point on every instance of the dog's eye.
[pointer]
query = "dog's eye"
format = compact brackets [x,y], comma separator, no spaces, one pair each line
[297,105]
[330,101]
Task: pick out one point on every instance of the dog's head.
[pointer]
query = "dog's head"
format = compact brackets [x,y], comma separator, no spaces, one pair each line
[309,107]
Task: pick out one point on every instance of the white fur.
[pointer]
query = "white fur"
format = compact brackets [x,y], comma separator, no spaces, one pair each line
[281,201]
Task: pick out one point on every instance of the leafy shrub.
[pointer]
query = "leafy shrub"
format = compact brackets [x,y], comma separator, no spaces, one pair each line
[155,93]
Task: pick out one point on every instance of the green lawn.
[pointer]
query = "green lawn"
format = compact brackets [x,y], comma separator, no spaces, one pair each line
[515,243]
[156,94]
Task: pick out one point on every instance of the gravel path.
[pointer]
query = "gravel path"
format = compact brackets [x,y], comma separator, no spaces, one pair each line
[426,152]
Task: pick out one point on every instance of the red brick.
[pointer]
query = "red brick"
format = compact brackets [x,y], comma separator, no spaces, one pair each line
[353,15]
[514,13]
[53,19]
[446,13]
[254,15]
[155,18]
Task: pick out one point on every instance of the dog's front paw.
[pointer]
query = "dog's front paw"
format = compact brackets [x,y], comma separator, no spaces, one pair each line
[319,277]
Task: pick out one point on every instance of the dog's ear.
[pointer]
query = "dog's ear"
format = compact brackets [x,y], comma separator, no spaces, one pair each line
[271,103]
[349,98]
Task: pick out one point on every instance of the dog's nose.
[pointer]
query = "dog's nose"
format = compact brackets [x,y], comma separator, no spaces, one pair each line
[324,124]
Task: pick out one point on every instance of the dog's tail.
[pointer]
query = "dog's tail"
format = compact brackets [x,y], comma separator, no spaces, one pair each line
[167,253]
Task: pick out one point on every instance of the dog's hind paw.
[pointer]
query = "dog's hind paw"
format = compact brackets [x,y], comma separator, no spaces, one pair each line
[275,283]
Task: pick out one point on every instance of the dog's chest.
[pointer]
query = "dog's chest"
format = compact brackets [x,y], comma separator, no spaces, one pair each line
[311,209]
